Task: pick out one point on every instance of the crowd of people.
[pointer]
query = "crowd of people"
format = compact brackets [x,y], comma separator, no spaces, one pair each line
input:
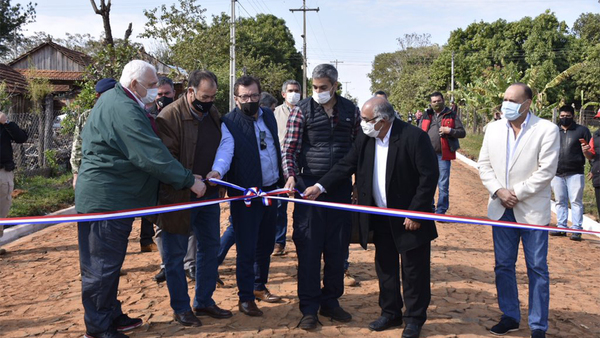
[141,146]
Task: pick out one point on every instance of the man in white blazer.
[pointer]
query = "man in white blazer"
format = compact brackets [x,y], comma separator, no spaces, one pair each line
[517,162]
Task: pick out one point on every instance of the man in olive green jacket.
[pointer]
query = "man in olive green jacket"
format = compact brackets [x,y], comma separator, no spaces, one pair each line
[122,164]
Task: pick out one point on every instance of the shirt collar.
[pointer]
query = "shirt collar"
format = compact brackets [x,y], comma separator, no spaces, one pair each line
[136,98]
[386,138]
[524,124]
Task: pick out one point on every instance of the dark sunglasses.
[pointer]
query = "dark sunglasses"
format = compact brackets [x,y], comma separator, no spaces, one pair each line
[263,143]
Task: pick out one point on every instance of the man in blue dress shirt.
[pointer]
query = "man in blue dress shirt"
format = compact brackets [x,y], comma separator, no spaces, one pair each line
[249,155]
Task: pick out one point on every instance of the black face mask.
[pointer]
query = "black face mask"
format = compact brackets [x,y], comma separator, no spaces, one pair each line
[202,107]
[164,101]
[566,121]
[249,108]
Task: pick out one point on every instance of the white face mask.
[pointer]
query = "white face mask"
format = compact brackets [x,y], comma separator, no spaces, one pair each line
[292,98]
[369,128]
[511,110]
[322,97]
[150,94]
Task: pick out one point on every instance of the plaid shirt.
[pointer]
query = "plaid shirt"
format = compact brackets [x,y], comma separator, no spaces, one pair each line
[293,138]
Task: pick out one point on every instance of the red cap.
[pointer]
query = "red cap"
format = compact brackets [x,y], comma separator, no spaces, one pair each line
[597,115]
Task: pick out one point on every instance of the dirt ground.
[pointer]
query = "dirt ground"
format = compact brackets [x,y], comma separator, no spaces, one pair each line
[40,286]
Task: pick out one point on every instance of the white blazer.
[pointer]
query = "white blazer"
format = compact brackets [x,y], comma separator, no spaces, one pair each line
[532,167]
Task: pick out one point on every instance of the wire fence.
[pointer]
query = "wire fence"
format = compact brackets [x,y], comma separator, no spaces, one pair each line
[45,138]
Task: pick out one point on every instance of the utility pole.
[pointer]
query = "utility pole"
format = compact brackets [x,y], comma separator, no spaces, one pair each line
[304,9]
[346,85]
[452,83]
[232,57]
[336,62]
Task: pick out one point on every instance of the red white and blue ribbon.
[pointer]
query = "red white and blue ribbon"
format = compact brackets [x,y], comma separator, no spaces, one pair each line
[252,193]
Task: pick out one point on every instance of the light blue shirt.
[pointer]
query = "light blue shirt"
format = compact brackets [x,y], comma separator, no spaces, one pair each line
[268,157]
[513,142]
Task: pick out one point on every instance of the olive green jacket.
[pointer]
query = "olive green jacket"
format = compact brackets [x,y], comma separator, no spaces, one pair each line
[123,159]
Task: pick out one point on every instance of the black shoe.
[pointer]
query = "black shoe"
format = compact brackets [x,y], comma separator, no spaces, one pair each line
[160,277]
[558,233]
[336,314]
[384,323]
[411,331]
[191,273]
[505,326]
[538,334]
[108,334]
[124,323]
[576,237]
[213,311]
[308,322]
[187,319]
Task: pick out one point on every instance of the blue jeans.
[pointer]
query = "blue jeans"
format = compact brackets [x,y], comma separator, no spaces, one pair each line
[227,241]
[535,246]
[569,189]
[102,249]
[205,225]
[282,223]
[443,202]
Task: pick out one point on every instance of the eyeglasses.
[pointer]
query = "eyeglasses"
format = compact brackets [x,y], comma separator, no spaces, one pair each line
[263,143]
[368,120]
[245,98]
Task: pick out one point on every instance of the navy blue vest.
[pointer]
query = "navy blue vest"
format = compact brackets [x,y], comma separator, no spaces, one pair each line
[245,169]
[324,144]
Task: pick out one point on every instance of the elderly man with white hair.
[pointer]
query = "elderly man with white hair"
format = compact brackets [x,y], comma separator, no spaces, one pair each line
[123,162]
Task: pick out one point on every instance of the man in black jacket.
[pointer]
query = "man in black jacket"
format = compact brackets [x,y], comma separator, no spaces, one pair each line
[9,131]
[395,167]
[569,181]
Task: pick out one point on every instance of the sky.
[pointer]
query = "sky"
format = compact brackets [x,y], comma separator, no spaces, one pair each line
[350,31]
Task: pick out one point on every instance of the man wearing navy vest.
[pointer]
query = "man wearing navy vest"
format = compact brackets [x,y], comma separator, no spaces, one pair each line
[320,132]
[444,129]
[249,155]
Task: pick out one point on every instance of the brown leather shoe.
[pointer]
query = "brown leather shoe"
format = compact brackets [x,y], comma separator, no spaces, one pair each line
[148,248]
[213,311]
[187,319]
[266,296]
[249,308]
[279,250]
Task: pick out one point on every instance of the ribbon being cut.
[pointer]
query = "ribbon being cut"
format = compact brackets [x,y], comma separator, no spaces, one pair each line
[253,192]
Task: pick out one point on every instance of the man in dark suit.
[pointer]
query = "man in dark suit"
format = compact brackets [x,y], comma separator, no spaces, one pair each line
[395,167]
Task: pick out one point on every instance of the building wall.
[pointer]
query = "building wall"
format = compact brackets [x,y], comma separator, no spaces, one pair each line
[50,59]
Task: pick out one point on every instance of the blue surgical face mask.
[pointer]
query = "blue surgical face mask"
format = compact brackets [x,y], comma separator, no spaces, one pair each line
[511,110]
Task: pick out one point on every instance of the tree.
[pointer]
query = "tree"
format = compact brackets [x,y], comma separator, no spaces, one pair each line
[265,47]
[12,20]
[405,74]
[587,27]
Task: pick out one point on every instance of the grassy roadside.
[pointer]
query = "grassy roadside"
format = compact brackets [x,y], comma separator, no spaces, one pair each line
[38,195]
[471,144]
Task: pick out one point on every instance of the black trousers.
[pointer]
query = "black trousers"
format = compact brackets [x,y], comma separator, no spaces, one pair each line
[415,278]
[146,232]
[321,232]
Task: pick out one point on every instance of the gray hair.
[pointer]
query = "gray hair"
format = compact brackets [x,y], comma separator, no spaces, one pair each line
[290,82]
[134,70]
[325,70]
[385,110]
[163,80]
[267,100]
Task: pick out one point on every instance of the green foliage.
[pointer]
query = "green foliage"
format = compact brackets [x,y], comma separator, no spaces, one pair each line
[4,96]
[587,27]
[37,88]
[405,74]
[265,47]
[41,195]
[84,101]
[52,161]
[12,20]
